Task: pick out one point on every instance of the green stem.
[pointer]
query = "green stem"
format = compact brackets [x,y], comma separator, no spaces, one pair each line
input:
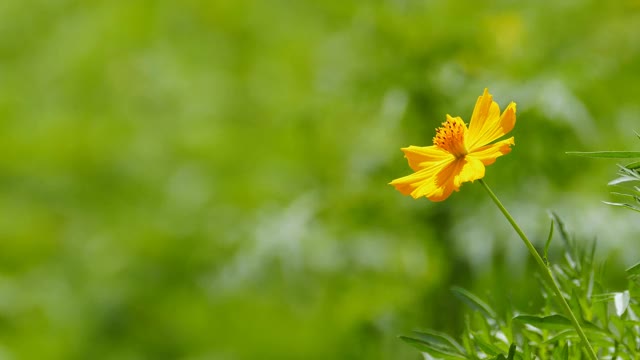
[545,271]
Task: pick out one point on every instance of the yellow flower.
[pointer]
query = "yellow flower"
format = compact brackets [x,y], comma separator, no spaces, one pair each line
[458,154]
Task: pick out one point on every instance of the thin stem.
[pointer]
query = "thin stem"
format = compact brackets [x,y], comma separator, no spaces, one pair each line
[545,271]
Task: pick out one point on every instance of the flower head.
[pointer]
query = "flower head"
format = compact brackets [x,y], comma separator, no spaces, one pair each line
[459,153]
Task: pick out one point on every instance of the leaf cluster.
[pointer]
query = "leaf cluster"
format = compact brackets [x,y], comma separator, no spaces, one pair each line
[628,175]
[628,180]
[609,319]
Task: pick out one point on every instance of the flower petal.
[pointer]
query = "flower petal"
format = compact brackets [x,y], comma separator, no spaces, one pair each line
[472,169]
[487,124]
[441,185]
[408,184]
[420,157]
[488,153]
[438,182]
[453,176]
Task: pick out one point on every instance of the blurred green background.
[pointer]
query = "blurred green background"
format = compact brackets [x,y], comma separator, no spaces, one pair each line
[208,179]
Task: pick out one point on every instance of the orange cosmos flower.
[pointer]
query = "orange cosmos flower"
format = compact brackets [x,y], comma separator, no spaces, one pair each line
[458,154]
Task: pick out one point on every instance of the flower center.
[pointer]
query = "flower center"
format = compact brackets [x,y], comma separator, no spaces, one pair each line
[450,136]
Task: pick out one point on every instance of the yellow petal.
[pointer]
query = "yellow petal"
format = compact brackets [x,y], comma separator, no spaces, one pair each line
[487,124]
[438,183]
[488,153]
[409,184]
[440,186]
[420,157]
[472,169]
[433,193]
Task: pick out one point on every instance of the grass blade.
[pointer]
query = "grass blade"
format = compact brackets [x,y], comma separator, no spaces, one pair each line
[432,349]
[606,154]
[551,322]
[441,339]
[546,245]
[474,302]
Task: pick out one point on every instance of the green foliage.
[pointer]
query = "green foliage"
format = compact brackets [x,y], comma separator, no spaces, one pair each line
[628,179]
[629,182]
[609,318]
[607,154]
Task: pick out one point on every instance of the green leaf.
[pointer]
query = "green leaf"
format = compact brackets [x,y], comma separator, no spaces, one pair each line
[574,302]
[441,339]
[564,235]
[487,347]
[627,175]
[595,334]
[546,245]
[634,270]
[570,250]
[561,335]
[606,154]
[621,180]
[634,197]
[593,329]
[467,338]
[551,322]
[526,351]
[634,165]
[474,302]
[628,206]
[599,308]
[431,349]
[631,322]
[512,352]
[564,353]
